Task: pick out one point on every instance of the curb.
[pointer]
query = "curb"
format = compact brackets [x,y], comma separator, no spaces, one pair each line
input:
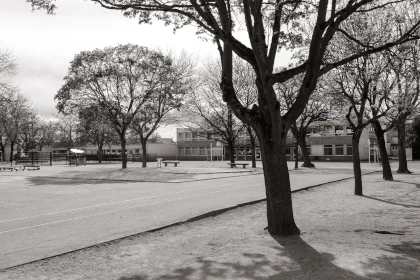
[213,213]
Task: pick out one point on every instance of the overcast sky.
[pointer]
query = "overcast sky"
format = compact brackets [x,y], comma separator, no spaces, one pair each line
[45,44]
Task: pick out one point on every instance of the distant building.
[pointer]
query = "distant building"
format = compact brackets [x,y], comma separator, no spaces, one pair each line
[161,150]
[334,144]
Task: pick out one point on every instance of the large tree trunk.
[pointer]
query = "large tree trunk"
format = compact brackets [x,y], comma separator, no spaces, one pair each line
[144,150]
[402,156]
[3,156]
[12,146]
[252,140]
[273,145]
[358,187]
[296,154]
[100,153]
[123,154]
[231,152]
[277,184]
[386,167]
[306,159]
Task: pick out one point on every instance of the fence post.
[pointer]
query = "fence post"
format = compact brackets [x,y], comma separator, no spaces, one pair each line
[50,158]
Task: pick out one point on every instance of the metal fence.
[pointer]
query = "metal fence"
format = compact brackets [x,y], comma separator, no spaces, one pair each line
[118,158]
[52,158]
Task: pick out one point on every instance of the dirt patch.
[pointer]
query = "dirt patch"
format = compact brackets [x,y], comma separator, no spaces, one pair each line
[343,237]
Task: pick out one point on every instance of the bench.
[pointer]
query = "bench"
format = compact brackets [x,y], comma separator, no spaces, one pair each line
[175,162]
[12,168]
[31,167]
[232,165]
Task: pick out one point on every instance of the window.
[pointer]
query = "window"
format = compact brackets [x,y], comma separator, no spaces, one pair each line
[188,136]
[257,153]
[195,152]
[308,150]
[241,151]
[181,151]
[349,131]
[181,137]
[328,150]
[288,150]
[339,130]
[349,150]
[187,151]
[202,151]
[137,151]
[339,150]
[248,152]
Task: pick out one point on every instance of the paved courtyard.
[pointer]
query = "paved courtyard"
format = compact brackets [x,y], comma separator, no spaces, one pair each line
[58,209]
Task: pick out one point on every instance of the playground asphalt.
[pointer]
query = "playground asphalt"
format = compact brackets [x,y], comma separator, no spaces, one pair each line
[46,218]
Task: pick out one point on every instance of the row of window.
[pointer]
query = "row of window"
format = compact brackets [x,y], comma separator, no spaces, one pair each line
[114,152]
[340,150]
[198,151]
[190,136]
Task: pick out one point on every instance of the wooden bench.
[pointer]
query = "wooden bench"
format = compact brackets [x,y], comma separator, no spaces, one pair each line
[232,165]
[12,168]
[175,162]
[31,167]
[8,168]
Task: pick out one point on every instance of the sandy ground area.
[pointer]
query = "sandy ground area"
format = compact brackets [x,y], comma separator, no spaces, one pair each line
[343,237]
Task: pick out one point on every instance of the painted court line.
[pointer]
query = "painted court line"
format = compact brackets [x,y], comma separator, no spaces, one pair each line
[121,201]
[108,212]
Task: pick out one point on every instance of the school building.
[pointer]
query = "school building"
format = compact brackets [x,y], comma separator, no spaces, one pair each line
[334,144]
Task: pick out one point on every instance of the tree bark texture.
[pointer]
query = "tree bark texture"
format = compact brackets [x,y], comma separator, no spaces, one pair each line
[123,154]
[386,167]
[3,155]
[144,151]
[231,152]
[277,183]
[358,187]
[402,156]
[100,153]
[12,146]
[296,153]
[252,141]
[272,135]
[306,159]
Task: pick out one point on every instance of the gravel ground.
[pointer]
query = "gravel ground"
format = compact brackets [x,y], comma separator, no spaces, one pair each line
[343,237]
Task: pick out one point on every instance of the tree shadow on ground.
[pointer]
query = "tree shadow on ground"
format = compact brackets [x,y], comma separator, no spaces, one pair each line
[391,202]
[401,262]
[293,259]
[135,277]
[41,180]
[296,259]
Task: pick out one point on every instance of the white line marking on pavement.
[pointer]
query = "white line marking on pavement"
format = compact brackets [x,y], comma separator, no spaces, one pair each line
[108,212]
[121,201]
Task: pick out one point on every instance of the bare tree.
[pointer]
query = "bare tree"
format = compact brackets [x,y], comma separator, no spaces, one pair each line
[317,110]
[66,134]
[14,116]
[120,80]
[406,68]
[8,67]
[95,128]
[365,85]
[168,96]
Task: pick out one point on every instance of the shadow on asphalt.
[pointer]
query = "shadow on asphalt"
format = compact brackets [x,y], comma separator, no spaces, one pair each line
[41,181]
[298,260]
